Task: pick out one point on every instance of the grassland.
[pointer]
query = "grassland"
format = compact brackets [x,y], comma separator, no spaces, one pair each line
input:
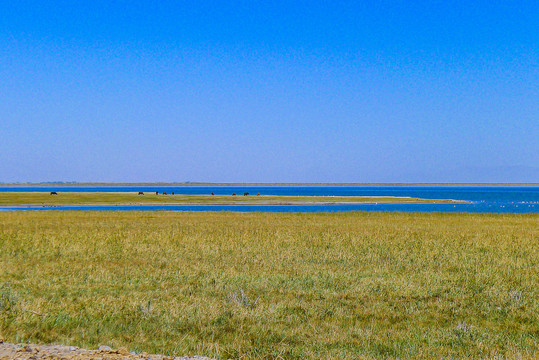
[122,198]
[273,286]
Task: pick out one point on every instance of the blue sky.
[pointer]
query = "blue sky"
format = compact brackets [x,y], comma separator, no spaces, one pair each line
[269,91]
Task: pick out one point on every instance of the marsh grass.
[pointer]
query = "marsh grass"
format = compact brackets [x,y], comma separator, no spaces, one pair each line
[123,198]
[270,286]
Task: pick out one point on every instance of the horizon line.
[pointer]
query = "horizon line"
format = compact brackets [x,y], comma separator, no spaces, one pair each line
[203,183]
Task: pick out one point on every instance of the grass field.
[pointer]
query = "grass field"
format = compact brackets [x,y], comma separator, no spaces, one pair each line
[271,286]
[122,198]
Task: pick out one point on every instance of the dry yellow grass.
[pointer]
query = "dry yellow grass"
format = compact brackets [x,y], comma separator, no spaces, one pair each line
[269,286]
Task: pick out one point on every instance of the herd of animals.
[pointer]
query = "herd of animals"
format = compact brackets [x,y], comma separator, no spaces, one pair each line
[164,193]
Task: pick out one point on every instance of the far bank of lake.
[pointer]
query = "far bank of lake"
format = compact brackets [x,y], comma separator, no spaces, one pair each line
[481,199]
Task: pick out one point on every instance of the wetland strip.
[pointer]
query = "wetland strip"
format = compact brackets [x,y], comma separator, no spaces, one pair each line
[123,199]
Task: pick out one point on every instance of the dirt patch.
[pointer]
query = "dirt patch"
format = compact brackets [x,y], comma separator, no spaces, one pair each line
[62,352]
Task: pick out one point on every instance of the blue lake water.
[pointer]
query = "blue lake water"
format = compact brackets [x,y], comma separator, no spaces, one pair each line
[482,199]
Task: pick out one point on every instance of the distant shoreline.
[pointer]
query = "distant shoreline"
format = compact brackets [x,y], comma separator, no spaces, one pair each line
[206,184]
[133,198]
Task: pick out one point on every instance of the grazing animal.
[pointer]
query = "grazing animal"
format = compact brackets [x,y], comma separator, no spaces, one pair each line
[164,193]
[173,193]
[212,193]
[257,194]
[157,193]
[140,193]
[54,193]
[233,194]
[245,194]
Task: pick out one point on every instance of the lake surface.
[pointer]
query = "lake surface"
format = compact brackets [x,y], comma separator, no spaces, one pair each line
[482,199]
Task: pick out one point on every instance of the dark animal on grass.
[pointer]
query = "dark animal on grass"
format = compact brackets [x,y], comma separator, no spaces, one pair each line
[257,194]
[245,194]
[173,193]
[140,193]
[157,193]
[164,193]
[233,194]
[54,193]
[212,193]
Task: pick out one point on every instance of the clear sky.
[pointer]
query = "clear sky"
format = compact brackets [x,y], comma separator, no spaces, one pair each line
[269,91]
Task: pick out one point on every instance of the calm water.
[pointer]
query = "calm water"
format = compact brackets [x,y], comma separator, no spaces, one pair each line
[483,199]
